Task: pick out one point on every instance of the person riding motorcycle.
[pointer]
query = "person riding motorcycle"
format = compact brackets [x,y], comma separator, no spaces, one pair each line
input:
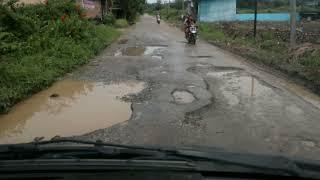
[158,17]
[187,23]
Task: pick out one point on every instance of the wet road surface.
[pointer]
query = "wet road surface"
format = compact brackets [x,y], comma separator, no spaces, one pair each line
[151,88]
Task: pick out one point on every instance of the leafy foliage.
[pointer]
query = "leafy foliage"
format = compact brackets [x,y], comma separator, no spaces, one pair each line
[109,19]
[121,23]
[41,42]
[130,9]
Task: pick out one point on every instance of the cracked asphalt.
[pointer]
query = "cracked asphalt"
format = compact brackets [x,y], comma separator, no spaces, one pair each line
[232,105]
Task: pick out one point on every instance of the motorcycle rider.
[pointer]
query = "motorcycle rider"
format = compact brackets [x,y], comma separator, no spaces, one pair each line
[158,16]
[187,23]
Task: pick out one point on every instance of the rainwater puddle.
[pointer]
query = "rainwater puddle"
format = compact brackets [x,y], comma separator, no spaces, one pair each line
[118,53]
[80,107]
[183,97]
[236,87]
[157,57]
[134,51]
[141,51]
[220,74]
[203,65]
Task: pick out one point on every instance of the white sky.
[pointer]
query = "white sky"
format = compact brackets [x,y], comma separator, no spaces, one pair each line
[153,1]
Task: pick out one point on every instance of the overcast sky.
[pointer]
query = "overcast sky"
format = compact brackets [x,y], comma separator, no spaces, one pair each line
[153,1]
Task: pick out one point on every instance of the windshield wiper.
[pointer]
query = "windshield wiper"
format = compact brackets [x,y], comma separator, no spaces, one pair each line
[66,148]
[99,150]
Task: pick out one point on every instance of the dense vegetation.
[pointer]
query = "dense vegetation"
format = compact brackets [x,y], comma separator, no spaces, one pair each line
[39,43]
[130,8]
[274,6]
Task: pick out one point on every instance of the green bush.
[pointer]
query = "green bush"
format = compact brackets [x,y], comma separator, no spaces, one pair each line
[210,32]
[109,19]
[121,23]
[312,60]
[55,40]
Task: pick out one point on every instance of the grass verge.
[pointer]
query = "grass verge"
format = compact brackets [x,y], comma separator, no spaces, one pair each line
[267,50]
[39,45]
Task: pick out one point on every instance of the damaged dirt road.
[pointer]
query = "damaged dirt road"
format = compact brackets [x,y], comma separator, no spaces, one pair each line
[151,88]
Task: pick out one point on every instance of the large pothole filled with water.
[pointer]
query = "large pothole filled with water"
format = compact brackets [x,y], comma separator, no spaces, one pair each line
[241,86]
[154,51]
[68,108]
[183,97]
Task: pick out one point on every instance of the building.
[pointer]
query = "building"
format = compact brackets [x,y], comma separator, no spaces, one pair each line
[226,10]
[94,8]
[31,1]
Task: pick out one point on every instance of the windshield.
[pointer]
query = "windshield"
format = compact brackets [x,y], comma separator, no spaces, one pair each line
[240,76]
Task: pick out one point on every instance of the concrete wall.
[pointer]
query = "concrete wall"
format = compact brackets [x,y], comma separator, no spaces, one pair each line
[225,10]
[265,17]
[217,10]
[92,7]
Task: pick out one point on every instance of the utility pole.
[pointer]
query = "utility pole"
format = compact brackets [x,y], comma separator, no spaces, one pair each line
[293,23]
[182,5]
[168,7]
[255,18]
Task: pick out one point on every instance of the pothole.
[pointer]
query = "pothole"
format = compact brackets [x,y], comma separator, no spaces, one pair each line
[157,57]
[141,51]
[203,56]
[183,97]
[118,53]
[237,86]
[220,74]
[310,144]
[203,65]
[134,51]
[81,107]
[123,41]
[194,117]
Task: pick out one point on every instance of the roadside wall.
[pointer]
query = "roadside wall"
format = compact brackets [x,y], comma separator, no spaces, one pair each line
[92,7]
[265,17]
[217,10]
[226,10]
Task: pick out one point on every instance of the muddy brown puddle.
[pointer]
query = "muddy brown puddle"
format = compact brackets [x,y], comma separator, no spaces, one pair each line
[78,107]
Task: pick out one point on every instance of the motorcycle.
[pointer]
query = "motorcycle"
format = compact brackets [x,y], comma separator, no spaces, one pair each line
[192,34]
[158,19]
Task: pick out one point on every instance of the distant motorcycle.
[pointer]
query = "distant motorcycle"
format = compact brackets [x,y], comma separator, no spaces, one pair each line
[158,19]
[191,34]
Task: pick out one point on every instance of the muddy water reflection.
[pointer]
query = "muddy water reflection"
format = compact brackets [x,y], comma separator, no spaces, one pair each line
[141,51]
[237,87]
[81,107]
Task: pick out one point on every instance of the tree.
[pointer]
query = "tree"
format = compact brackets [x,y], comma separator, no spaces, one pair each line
[158,6]
[131,8]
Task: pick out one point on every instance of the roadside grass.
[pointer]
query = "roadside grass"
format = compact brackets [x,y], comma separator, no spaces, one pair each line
[37,50]
[121,23]
[25,75]
[268,51]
